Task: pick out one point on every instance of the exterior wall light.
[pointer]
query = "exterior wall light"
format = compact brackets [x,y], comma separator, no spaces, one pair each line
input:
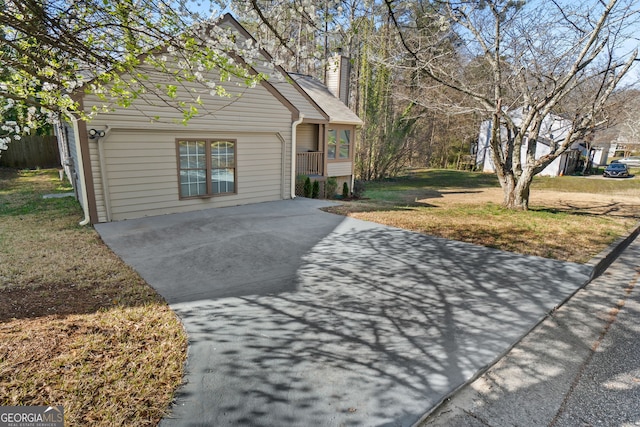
[93,133]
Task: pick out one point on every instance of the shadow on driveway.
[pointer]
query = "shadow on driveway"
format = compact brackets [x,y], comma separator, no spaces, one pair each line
[299,317]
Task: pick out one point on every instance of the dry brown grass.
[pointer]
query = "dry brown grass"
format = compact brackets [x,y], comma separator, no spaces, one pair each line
[564,225]
[78,328]
[557,236]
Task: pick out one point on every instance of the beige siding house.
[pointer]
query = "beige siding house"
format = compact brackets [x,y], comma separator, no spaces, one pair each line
[248,148]
[326,149]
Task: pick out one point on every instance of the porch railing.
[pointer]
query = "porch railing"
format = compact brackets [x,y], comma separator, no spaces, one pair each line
[310,163]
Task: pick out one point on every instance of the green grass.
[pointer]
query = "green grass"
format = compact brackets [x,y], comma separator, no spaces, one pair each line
[27,197]
[418,180]
[434,178]
[579,184]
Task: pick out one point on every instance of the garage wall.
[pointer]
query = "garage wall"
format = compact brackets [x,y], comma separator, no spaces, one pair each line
[138,174]
[142,176]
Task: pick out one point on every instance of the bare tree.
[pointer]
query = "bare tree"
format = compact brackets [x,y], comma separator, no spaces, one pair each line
[627,126]
[527,55]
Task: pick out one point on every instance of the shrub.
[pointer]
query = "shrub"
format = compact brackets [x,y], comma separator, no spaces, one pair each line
[315,191]
[345,190]
[306,190]
[331,187]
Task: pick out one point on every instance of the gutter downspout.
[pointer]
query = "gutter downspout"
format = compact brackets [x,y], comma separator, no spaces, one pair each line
[80,171]
[283,165]
[294,125]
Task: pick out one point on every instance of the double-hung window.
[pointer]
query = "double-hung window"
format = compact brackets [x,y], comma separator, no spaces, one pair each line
[339,144]
[206,167]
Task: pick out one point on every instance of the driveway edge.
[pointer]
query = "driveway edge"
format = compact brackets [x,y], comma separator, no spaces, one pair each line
[603,260]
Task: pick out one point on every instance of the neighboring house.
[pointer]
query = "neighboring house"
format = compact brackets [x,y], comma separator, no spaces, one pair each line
[598,154]
[247,149]
[614,149]
[554,128]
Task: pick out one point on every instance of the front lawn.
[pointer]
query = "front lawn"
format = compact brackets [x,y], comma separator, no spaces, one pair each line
[78,328]
[466,206]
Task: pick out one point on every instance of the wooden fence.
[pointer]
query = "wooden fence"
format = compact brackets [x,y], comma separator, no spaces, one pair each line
[31,152]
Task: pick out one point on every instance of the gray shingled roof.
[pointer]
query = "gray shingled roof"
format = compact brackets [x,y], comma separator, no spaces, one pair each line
[336,110]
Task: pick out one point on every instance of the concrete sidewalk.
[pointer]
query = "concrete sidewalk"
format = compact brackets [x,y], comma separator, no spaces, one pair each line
[297,317]
[580,367]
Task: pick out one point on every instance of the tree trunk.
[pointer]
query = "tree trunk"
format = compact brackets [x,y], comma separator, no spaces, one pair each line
[516,190]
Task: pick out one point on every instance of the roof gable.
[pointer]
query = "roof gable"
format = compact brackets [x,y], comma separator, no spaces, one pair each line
[302,95]
[337,111]
[286,85]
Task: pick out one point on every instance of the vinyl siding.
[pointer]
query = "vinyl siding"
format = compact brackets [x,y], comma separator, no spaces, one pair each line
[72,170]
[97,181]
[140,154]
[337,78]
[246,108]
[306,138]
[344,81]
[332,79]
[339,169]
[145,182]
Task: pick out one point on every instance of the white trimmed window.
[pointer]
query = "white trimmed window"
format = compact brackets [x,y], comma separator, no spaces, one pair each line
[206,167]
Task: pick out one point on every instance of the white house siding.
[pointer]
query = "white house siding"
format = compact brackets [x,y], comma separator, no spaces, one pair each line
[306,138]
[600,156]
[484,160]
[554,168]
[69,157]
[483,155]
[140,155]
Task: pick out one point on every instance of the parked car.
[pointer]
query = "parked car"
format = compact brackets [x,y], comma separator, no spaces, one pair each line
[630,161]
[616,170]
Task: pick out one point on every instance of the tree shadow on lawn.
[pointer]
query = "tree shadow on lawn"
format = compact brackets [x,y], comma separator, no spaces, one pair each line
[382,325]
[612,209]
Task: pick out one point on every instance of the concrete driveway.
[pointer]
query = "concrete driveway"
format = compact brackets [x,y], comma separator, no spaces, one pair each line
[298,317]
